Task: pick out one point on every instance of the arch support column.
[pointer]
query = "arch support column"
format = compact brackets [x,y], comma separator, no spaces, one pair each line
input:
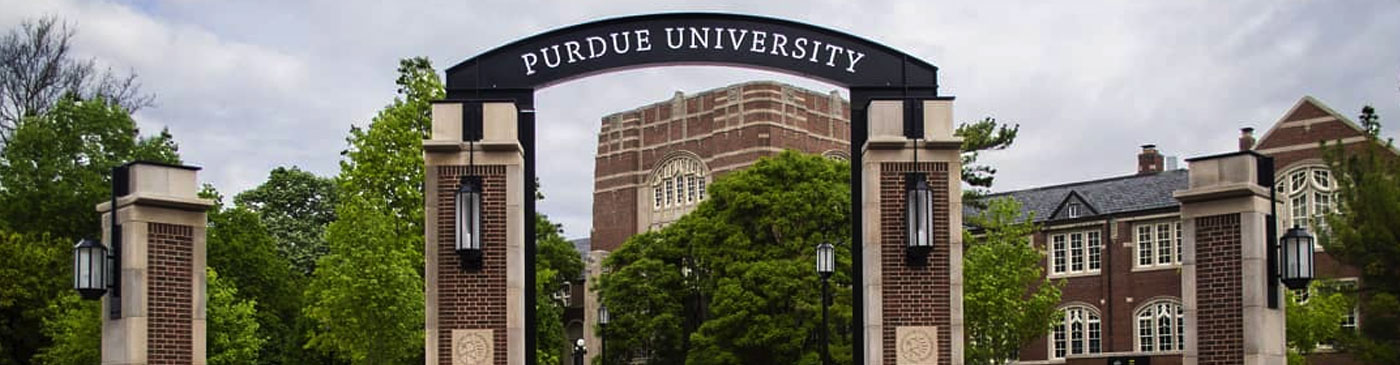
[912,308]
[1225,282]
[475,315]
[156,313]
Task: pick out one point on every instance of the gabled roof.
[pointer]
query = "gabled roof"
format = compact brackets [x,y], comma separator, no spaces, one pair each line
[1105,196]
[1308,108]
[1073,198]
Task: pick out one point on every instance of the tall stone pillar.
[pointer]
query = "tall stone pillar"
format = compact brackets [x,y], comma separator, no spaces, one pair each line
[913,310]
[1225,284]
[475,316]
[591,338]
[156,314]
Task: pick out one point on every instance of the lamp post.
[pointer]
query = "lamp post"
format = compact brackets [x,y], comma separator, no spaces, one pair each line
[826,265]
[579,350]
[603,320]
[468,223]
[1297,249]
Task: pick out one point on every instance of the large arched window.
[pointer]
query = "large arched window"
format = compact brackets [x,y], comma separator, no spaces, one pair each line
[678,183]
[1161,326]
[1079,333]
[1306,193]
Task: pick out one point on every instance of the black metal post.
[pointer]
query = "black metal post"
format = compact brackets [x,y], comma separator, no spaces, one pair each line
[602,343]
[826,337]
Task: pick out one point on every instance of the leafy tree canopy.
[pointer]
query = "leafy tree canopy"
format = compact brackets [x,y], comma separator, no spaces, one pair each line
[1365,233]
[733,282]
[999,265]
[233,335]
[296,206]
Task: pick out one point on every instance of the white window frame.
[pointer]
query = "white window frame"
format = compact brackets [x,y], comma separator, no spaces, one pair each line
[1301,192]
[678,184]
[1088,318]
[1072,210]
[1155,313]
[1061,260]
[1149,237]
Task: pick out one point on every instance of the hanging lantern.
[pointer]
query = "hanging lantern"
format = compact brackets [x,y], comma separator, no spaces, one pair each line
[603,318]
[90,269]
[826,260]
[1297,246]
[468,209]
[918,218]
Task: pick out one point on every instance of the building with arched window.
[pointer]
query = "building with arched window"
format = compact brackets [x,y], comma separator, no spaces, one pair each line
[655,162]
[1117,242]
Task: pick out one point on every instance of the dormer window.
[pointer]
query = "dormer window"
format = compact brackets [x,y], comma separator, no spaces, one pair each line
[1072,210]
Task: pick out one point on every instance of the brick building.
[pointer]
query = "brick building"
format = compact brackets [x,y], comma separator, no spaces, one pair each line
[654,162]
[1116,243]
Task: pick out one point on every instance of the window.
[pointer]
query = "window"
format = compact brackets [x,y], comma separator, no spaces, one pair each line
[1348,287]
[1079,333]
[1075,252]
[1072,210]
[1161,326]
[1306,197]
[678,183]
[1158,244]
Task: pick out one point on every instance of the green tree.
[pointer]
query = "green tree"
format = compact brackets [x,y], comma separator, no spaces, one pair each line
[1317,320]
[366,296]
[1007,302]
[76,332]
[296,206]
[1365,233]
[980,136]
[733,282]
[246,254]
[233,334]
[56,167]
[556,262]
[32,290]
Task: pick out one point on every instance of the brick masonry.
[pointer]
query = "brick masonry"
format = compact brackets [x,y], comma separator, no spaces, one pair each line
[170,256]
[914,295]
[1220,331]
[728,128]
[472,300]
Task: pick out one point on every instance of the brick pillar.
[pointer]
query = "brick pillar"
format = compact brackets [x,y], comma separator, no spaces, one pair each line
[158,318]
[1224,280]
[913,313]
[475,317]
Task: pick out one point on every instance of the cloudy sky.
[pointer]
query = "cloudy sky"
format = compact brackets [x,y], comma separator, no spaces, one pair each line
[246,86]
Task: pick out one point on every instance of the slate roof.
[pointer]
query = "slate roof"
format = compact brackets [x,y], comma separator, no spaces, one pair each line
[1106,196]
[582,245]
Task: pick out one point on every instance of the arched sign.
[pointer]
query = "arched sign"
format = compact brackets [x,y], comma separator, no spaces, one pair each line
[691,38]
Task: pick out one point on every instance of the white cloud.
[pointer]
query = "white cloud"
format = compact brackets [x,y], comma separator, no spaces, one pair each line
[249,85]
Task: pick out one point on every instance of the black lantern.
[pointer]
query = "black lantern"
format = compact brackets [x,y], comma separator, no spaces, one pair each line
[826,260]
[918,217]
[1297,246]
[91,269]
[603,315]
[468,245]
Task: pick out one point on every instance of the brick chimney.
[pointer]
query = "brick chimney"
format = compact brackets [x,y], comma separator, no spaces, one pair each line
[1246,138]
[1150,161]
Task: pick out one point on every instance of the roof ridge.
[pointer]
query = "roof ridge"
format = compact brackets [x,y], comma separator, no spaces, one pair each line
[1086,182]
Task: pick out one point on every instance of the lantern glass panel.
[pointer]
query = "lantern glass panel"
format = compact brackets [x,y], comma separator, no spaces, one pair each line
[603,315]
[90,265]
[825,258]
[468,207]
[919,211]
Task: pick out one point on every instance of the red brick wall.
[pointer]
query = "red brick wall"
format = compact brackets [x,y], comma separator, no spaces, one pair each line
[1219,292]
[914,296]
[663,128]
[472,300]
[170,256]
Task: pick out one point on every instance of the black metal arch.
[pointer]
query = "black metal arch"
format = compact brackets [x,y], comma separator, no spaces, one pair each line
[691,38]
[871,71]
